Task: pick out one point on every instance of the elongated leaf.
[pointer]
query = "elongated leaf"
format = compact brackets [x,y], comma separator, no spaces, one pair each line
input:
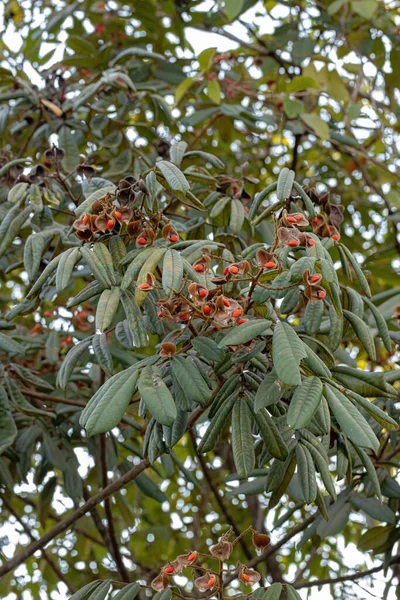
[190,380]
[157,396]
[242,334]
[350,419]
[100,592]
[292,594]
[380,323]
[96,266]
[217,424]
[318,454]
[33,251]
[13,228]
[313,316]
[270,434]
[149,266]
[134,319]
[242,439]
[208,348]
[107,407]
[376,413]
[273,592]
[363,333]
[129,592]
[69,362]
[174,177]
[374,509]
[68,260]
[8,429]
[306,473]
[104,256]
[285,184]
[287,352]
[316,364]
[102,352]
[94,288]
[106,308]
[371,472]
[269,392]
[149,488]
[237,216]
[357,269]
[10,346]
[172,275]
[82,594]
[304,402]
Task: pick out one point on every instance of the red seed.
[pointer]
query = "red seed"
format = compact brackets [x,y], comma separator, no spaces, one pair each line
[315,221]
[241,321]
[85,219]
[68,340]
[160,315]
[226,302]
[269,265]
[245,577]
[183,316]
[110,224]
[211,582]
[290,220]
[207,309]
[298,217]
[314,278]
[293,243]
[48,313]
[233,269]
[192,556]
[310,242]
[237,313]
[118,215]
[335,237]
[203,293]
[168,570]
[321,294]
[199,268]
[142,241]
[226,270]
[173,237]
[144,286]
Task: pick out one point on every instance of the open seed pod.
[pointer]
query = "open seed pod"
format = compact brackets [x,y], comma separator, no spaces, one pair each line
[222,550]
[206,582]
[249,576]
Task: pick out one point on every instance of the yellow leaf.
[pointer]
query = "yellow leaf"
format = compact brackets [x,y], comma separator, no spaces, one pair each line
[182,89]
[214,91]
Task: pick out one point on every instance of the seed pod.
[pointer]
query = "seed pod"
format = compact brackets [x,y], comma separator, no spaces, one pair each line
[188,559]
[160,582]
[222,550]
[260,540]
[249,576]
[205,582]
[168,349]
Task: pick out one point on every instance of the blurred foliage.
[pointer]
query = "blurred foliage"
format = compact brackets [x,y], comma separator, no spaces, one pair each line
[309,86]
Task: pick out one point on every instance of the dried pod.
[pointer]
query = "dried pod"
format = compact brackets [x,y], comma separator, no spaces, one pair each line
[311,279]
[187,559]
[160,582]
[203,264]
[205,582]
[172,568]
[260,540]
[222,550]
[169,349]
[293,219]
[249,576]
[86,170]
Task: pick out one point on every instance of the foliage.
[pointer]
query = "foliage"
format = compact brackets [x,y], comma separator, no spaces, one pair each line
[199,261]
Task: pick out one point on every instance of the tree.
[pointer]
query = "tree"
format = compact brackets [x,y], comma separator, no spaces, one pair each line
[198,258]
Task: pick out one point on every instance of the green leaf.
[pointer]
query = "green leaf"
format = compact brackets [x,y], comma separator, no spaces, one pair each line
[205,58]
[149,266]
[237,216]
[287,352]
[129,592]
[177,152]
[157,396]
[96,266]
[363,333]
[104,256]
[214,91]
[357,269]
[233,8]
[83,592]
[336,6]
[68,260]
[8,429]
[269,432]
[208,348]
[306,473]
[285,184]
[10,346]
[69,362]
[381,324]
[314,362]
[242,438]
[52,347]
[291,593]
[374,509]
[183,88]
[174,177]
[244,333]
[371,472]
[315,122]
[304,403]
[350,419]
[293,107]
[67,141]
[107,307]
[120,164]
[376,413]
[172,272]
[273,592]
[35,198]
[321,461]
[217,424]
[102,352]
[134,319]
[364,8]
[100,592]
[214,160]
[269,392]
[374,538]
[313,316]
[190,380]
[106,408]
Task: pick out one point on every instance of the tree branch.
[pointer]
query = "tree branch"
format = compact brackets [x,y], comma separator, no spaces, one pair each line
[353,577]
[113,487]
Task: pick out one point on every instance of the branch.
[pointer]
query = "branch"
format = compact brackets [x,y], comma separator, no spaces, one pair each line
[107,506]
[66,523]
[49,398]
[353,577]
[218,498]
